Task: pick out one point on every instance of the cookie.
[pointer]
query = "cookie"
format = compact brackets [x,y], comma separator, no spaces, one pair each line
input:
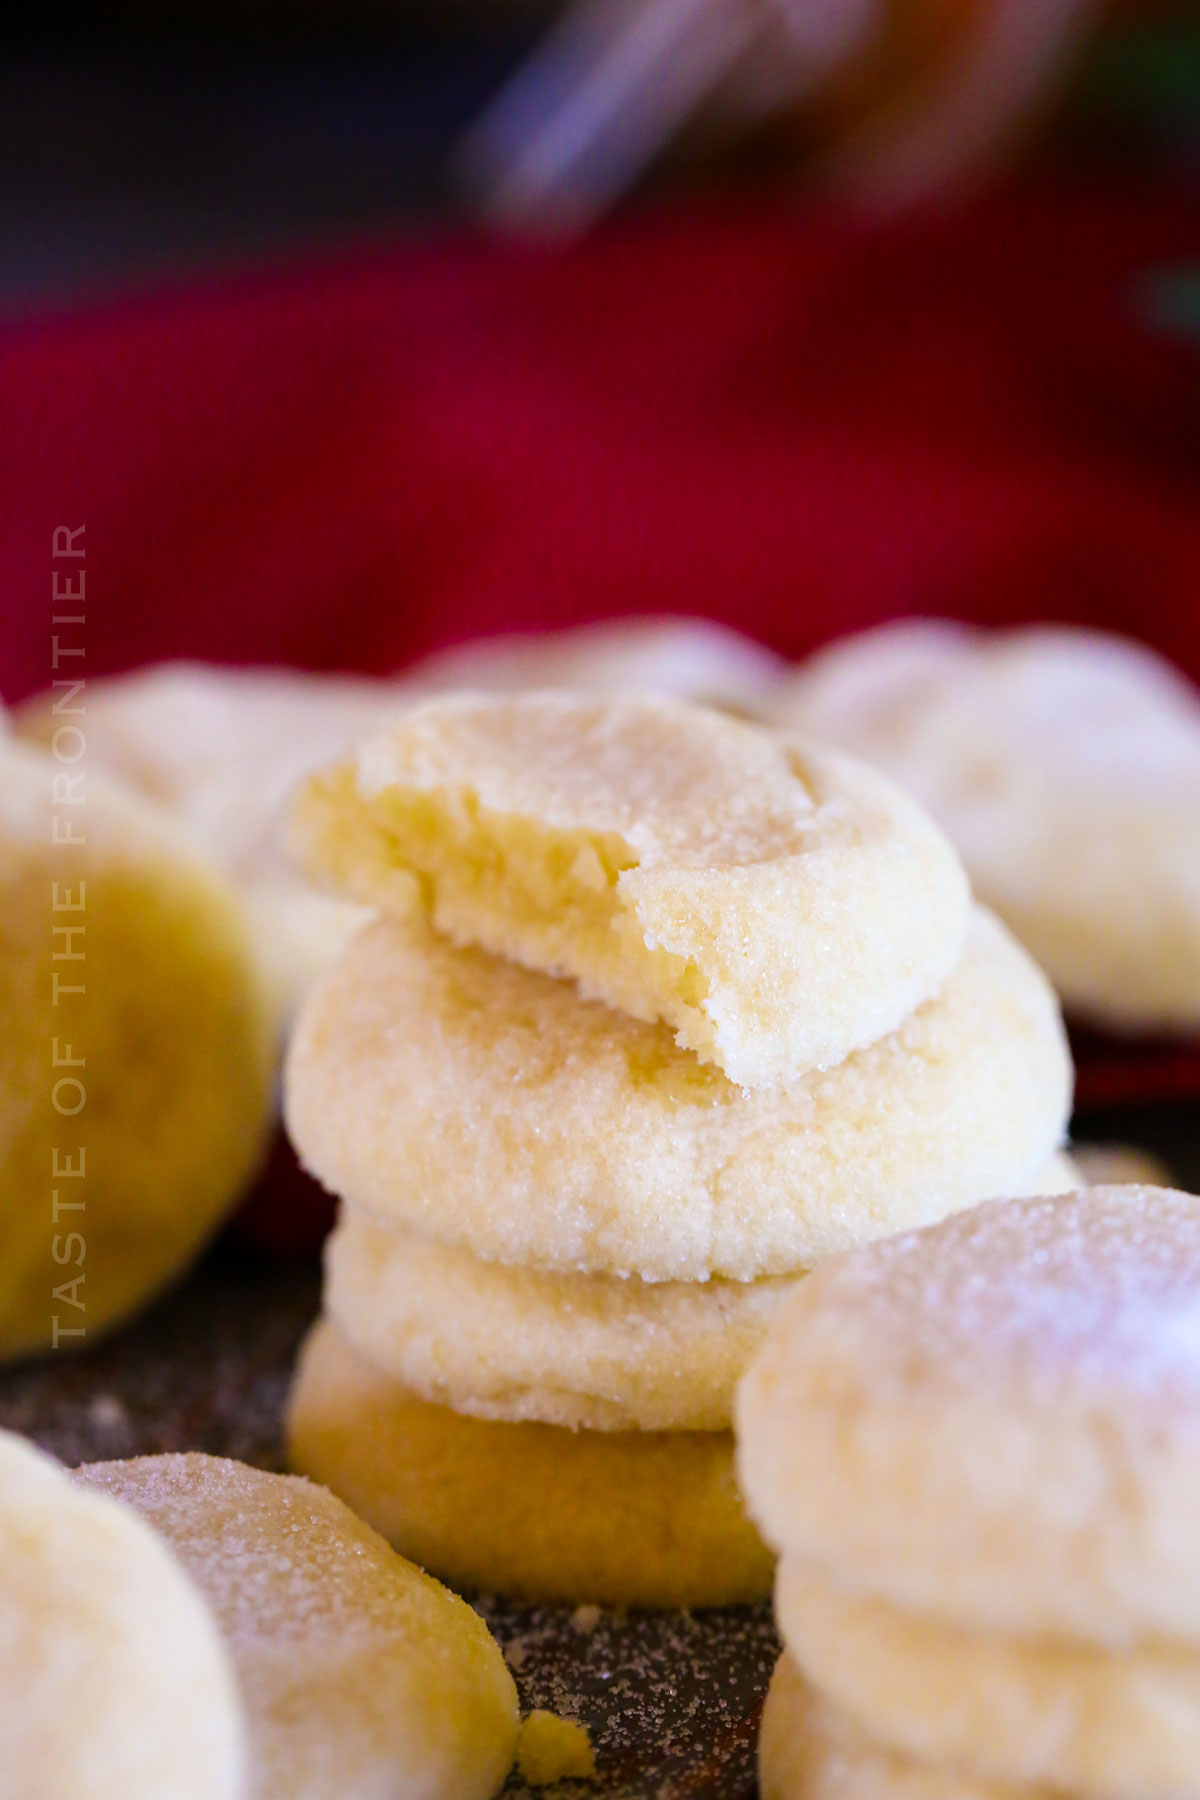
[1030,1712]
[807,1750]
[361,1676]
[996,1421]
[1065,765]
[136,1054]
[502,1342]
[693,659]
[636,1518]
[776,905]
[481,1104]
[115,1679]
[592,1351]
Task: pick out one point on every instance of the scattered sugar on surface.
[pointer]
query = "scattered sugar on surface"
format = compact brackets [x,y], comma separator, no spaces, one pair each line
[660,1693]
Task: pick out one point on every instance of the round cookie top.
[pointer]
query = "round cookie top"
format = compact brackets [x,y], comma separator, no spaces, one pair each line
[361,1675]
[775,904]
[1065,765]
[114,1676]
[997,1418]
[478,1103]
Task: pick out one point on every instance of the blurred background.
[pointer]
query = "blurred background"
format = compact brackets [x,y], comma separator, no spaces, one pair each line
[353,329]
[148,140]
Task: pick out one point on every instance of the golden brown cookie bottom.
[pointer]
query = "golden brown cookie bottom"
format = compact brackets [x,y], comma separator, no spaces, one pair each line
[628,1518]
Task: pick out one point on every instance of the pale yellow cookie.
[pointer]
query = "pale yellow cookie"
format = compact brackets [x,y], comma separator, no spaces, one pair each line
[114,1682]
[135,1053]
[499,1341]
[634,1518]
[807,1750]
[362,1677]
[1065,765]
[478,1103]
[503,1342]
[1024,1710]
[996,1421]
[693,659]
[776,905]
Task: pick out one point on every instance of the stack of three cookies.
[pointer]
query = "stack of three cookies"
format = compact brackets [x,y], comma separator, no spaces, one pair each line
[659,1011]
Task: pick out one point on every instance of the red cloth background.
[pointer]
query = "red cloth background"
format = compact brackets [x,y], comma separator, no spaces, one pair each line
[774,418]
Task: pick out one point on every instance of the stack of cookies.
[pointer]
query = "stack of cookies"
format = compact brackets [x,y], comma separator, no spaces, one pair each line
[978,1448]
[660,1010]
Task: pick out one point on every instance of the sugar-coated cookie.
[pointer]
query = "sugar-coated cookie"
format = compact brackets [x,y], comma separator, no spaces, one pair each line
[478,1103]
[503,1342]
[629,1518]
[114,1682]
[224,749]
[777,905]
[135,1053]
[807,1750]
[1065,765]
[1029,1711]
[996,1421]
[363,1678]
[694,659]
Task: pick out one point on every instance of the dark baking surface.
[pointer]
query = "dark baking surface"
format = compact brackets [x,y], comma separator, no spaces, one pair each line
[671,1700]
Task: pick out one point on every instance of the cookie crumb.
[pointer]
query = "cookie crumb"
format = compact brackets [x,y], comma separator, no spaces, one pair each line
[586,1619]
[551,1748]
